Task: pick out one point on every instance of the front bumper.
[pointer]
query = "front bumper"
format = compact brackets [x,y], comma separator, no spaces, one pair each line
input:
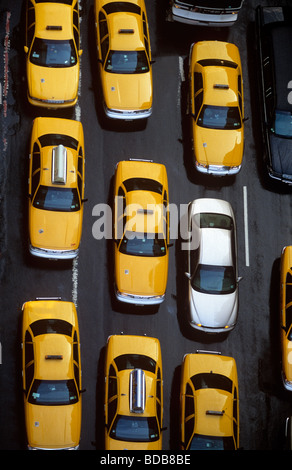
[127,115]
[209,330]
[53,254]
[286,383]
[185,15]
[139,299]
[51,104]
[218,170]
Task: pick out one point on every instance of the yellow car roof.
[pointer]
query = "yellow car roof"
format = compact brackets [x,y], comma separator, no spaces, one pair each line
[126,32]
[220,80]
[50,127]
[53,352]
[145,210]
[119,345]
[220,86]
[214,407]
[54,15]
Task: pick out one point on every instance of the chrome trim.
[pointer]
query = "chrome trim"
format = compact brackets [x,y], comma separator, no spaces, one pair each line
[139,299]
[218,170]
[53,254]
[129,115]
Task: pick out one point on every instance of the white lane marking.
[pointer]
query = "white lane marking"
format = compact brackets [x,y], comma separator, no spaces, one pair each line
[245,215]
[181,68]
[181,78]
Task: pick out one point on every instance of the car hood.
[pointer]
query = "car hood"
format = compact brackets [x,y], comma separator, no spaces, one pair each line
[128,91]
[53,426]
[214,311]
[281,155]
[140,275]
[46,83]
[218,147]
[55,230]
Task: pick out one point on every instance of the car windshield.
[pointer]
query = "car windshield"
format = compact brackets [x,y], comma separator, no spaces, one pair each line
[127,62]
[214,279]
[133,428]
[143,244]
[200,442]
[57,199]
[282,124]
[53,392]
[49,53]
[219,117]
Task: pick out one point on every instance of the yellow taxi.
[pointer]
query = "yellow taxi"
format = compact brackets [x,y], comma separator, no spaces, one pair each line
[209,402]
[56,188]
[52,48]
[216,107]
[124,58]
[133,393]
[141,232]
[286,316]
[51,374]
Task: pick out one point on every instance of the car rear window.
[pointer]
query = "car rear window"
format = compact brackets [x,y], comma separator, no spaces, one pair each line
[135,361]
[212,380]
[51,325]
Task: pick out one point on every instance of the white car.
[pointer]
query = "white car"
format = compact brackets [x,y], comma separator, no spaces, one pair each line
[212,266]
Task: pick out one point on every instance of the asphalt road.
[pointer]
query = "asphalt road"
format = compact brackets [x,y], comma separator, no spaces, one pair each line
[262,209]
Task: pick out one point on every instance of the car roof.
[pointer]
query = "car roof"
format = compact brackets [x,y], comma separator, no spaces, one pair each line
[281,39]
[119,345]
[47,132]
[53,357]
[210,400]
[53,14]
[220,85]
[147,200]
[216,247]
[126,31]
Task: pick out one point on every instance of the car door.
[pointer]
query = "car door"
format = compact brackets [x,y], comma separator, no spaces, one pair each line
[111,397]
[188,416]
[102,38]
[35,170]
[30,24]
[27,362]
[80,174]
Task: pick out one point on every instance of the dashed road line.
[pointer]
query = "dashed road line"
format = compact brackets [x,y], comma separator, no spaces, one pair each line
[245,215]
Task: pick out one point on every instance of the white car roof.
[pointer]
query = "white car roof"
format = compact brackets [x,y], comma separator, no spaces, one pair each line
[216,247]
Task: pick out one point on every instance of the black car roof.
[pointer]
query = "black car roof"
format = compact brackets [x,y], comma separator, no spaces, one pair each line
[281,40]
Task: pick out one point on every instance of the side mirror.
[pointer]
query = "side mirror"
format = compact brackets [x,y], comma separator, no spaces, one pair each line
[239,278]
[188,276]
[84,200]
[169,245]
[245,119]
[82,390]
[80,52]
[25,49]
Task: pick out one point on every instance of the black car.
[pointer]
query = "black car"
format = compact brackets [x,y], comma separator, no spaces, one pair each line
[274,41]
